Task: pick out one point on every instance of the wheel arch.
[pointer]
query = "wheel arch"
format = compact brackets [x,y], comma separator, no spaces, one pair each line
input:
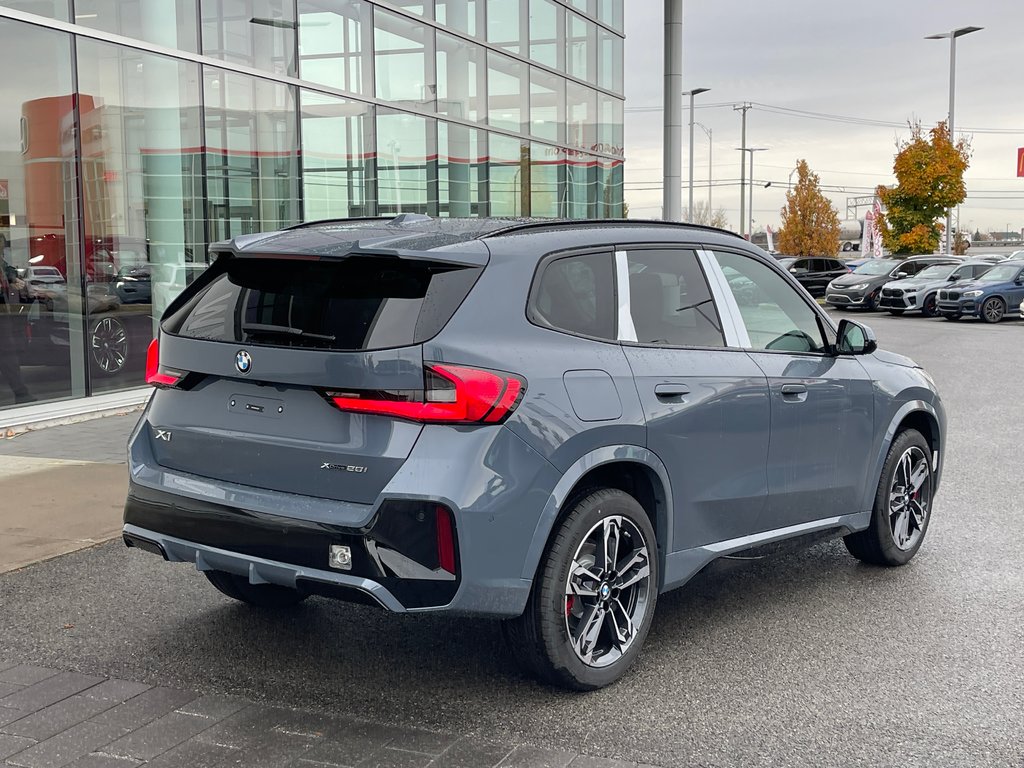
[629,468]
[915,414]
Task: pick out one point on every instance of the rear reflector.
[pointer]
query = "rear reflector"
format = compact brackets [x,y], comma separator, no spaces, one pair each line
[445,539]
[156,375]
[452,395]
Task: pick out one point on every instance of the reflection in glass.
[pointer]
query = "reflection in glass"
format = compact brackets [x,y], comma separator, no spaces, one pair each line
[171,23]
[461,15]
[256,33]
[581,115]
[252,154]
[406,171]
[143,199]
[460,156]
[51,9]
[509,164]
[610,189]
[403,47]
[507,96]
[547,105]
[610,12]
[546,179]
[547,28]
[334,37]
[581,185]
[336,157]
[41,339]
[504,25]
[460,78]
[609,127]
[580,47]
[609,72]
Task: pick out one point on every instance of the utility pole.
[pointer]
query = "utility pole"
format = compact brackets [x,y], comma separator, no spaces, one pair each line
[710,167]
[743,165]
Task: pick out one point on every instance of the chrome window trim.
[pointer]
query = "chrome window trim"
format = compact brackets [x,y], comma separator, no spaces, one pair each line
[733,327]
[626,329]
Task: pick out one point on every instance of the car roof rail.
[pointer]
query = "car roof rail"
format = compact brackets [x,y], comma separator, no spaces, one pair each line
[521,226]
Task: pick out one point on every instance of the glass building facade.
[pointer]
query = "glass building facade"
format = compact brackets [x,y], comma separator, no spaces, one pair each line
[136,132]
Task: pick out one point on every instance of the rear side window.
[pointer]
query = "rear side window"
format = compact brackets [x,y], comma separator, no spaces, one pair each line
[358,303]
[576,294]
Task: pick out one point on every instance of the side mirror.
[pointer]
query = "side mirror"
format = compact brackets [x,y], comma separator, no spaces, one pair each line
[952,278]
[900,275]
[853,338]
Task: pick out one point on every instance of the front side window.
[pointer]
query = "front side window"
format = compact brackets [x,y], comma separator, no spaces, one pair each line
[669,300]
[775,314]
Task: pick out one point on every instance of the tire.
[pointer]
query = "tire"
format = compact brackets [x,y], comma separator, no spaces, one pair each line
[993,310]
[541,639]
[929,307]
[951,316]
[108,345]
[847,247]
[898,526]
[896,312]
[872,303]
[258,595]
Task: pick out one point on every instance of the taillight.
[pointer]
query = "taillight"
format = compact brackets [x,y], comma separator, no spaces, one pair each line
[452,395]
[157,375]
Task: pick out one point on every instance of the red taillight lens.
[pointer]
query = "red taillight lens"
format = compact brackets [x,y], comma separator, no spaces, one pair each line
[453,395]
[445,539]
[155,375]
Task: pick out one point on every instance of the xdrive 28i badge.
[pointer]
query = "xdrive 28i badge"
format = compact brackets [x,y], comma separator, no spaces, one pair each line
[243,361]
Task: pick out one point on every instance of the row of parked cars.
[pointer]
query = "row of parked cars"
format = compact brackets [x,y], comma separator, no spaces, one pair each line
[987,287]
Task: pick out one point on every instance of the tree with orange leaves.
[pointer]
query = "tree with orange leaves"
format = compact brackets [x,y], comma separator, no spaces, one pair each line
[929,179]
[810,225]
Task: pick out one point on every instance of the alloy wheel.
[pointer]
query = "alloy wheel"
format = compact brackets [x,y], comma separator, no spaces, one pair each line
[910,497]
[607,592]
[109,343]
[993,310]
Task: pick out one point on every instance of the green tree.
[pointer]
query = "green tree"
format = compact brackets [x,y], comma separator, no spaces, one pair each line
[929,179]
[810,224]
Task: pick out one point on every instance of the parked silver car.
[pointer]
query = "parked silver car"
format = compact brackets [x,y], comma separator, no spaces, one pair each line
[918,293]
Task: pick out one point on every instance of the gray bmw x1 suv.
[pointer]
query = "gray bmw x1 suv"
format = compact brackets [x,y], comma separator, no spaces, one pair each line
[551,423]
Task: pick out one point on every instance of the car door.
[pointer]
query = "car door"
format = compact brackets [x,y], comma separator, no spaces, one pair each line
[822,405]
[705,404]
[1015,293]
[802,270]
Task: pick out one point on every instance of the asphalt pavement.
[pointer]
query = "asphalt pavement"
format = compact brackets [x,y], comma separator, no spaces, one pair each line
[807,659]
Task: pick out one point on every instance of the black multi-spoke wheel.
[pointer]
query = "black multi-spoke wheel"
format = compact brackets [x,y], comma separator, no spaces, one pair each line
[930,307]
[902,504]
[108,343]
[993,309]
[593,599]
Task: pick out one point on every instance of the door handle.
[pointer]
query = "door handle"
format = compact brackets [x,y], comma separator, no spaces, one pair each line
[671,390]
[794,393]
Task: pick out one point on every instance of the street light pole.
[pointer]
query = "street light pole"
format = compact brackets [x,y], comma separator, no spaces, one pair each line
[751,150]
[710,147]
[952,35]
[691,94]
[743,166]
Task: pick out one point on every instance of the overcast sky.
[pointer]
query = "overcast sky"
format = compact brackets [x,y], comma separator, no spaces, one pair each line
[866,59]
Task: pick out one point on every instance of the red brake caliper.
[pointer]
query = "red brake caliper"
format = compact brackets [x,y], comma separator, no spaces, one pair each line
[569,600]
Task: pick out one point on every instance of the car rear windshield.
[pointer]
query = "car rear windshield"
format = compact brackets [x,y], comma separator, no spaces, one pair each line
[358,303]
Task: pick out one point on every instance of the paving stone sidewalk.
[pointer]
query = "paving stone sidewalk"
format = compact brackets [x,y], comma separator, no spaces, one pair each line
[51,718]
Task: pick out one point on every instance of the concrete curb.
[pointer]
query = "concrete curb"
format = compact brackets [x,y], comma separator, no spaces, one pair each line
[15,421]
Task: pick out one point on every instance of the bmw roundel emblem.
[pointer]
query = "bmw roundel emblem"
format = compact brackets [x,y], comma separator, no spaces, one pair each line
[243,361]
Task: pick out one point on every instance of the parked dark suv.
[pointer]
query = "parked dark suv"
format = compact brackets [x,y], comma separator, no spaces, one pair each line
[814,273]
[550,423]
[862,288]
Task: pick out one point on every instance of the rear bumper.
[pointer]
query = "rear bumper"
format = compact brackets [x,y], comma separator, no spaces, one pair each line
[290,552]
[262,571]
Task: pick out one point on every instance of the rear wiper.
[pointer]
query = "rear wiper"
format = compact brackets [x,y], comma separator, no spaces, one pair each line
[284,330]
